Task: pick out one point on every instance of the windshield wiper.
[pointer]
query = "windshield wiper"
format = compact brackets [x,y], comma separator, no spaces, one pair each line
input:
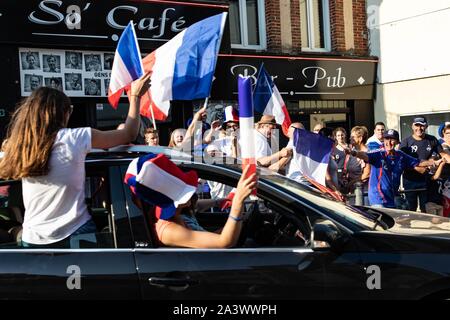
[378,221]
[373,215]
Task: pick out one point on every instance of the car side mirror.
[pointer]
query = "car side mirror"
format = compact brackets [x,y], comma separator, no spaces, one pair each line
[325,235]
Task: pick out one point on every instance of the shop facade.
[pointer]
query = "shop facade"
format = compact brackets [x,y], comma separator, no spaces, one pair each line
[72,44]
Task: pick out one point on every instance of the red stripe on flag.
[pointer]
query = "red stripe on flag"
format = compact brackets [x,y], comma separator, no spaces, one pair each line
[146,100]
[287,121]
[114,98]
[165,164]
[252,163]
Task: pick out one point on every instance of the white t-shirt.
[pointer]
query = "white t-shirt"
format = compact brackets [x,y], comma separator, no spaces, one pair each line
[224,145]
[262,147]
[55,204]
[293,167]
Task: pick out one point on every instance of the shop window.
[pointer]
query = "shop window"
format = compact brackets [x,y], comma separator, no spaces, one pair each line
[434,121]
[315,25]
[247,24]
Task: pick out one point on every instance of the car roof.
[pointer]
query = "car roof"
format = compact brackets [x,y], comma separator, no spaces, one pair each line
[133,151]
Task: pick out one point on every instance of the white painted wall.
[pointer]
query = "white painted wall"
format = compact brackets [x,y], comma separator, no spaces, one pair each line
[412,40]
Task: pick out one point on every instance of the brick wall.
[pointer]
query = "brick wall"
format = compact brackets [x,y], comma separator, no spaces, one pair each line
[295,24]
[273,28]
[360,27]
[337,25]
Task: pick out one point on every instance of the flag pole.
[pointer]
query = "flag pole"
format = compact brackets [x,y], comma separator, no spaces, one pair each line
[151,111]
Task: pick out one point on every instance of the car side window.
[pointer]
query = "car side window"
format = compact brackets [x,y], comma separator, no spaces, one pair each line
[266,223]
[11,214]
[98,203]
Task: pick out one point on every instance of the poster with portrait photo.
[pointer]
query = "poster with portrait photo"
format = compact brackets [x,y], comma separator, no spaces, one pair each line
[92,87]
[51,63]
[92,62]
[108,59]
[106,83]
[30,60]
[54,82]
[73,60]
[73,82]
[32,82]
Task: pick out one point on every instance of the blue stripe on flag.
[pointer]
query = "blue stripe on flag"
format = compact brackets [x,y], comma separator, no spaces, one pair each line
[245,97]
[143,159]
[312,145]
[196,59]
[263,90]
[128,51]
[152,196]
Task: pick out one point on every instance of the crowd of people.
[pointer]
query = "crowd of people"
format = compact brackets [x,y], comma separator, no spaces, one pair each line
[389,172]
[376,166]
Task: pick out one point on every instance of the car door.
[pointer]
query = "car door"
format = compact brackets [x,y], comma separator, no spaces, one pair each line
[238,273]
[263,272]
[101,270]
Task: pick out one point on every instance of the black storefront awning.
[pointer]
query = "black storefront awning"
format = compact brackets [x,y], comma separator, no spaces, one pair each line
[300,78]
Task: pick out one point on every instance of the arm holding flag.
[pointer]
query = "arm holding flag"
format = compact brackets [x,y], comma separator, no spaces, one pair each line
[179,236]
[276,161]
[111,138]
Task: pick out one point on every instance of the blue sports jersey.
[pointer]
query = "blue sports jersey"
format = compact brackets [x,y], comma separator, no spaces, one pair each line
[385,173]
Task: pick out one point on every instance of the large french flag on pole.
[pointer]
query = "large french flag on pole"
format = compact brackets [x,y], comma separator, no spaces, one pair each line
[183,68]
[246,124]
[158,181]
[127,65]
[312,153]
[267,100]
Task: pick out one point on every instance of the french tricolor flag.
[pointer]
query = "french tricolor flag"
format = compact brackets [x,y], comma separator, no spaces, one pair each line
[127,65]
[267,100]
[183,68]
[312,153]
[157,180]
[246,124]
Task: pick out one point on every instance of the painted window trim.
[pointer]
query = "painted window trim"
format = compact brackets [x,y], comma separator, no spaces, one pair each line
[326,27]
[243,27]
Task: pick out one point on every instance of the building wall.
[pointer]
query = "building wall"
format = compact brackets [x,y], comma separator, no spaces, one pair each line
[347,23]
[409,37]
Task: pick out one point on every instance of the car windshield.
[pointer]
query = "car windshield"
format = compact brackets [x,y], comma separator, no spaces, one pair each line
[324,201]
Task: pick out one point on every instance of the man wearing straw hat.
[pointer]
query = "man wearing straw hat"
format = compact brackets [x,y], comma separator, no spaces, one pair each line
[264,153]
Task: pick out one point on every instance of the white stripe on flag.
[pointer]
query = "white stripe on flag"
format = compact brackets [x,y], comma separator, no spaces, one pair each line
[313,169]
[247,137]
[275,106]
[122,77]
[163,70]
[161,181]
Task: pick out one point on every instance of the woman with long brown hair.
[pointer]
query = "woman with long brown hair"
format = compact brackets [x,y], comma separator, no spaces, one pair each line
[49,158]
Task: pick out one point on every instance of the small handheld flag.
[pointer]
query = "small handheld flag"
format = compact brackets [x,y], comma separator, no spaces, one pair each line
[183,68]
[246,124]
[127,65]
[267,100]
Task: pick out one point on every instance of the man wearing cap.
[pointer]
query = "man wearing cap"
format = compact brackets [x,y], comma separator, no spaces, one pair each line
[421,146]
[263,152]
[387,166]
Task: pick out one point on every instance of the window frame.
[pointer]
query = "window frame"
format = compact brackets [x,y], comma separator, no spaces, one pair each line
[244,30]
[310,26]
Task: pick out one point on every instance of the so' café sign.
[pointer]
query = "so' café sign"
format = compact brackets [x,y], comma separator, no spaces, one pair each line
[99,23]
